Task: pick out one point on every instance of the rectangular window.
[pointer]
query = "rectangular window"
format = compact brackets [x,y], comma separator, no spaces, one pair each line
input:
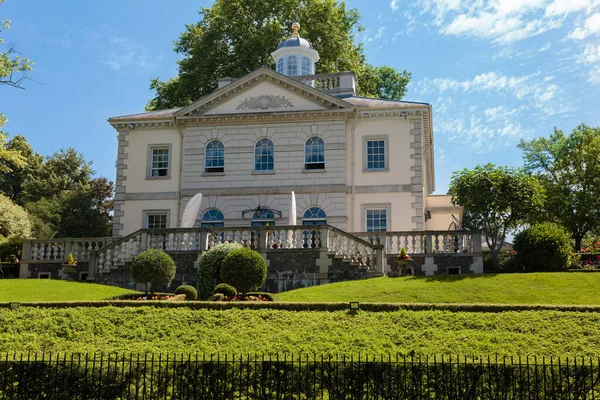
[156,220]
[159,162]
[375,153]
[44,275]
[212,224]
[376,220]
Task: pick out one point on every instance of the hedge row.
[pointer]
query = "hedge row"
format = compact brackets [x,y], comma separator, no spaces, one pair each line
[371,307]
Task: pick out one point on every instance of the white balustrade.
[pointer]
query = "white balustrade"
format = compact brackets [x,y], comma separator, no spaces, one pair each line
[417,242]
[57,250]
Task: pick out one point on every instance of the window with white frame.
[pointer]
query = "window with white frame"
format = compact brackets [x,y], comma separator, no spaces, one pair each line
[280,65]
[314,216]
[314,153]
[292,66]
[306,66]
[159,161]
[264,156]
[156,219]
[375,154]
[376,219]
[213,219]
[214,157]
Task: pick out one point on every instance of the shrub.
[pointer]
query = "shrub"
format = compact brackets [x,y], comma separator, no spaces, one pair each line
[209,268]
[9,246]
[225,289]
[155,267]
[190,292]
[543,247]
[14,219]
[244,269]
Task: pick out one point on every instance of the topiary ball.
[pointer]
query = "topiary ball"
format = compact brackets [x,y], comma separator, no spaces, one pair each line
[225,289]
[155,267]
[543,247]
[190,292]
[209,267]
[244,269]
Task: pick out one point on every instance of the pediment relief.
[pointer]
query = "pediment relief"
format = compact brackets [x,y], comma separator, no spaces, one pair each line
[263,91]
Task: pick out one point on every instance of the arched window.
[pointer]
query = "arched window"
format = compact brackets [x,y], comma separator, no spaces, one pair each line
[214,157]
[280,65]
[264,155]
[265,218]
[314,216]
[314,153]
[306,66]
[292,66]
[213,219]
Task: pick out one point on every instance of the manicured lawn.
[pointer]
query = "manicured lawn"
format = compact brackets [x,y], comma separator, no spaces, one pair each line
[183,330]
[534,288]
[26,290]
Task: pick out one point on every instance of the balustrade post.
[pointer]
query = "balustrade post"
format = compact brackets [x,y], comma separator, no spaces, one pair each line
[476,243]
[381,259]
[144,241]
[26,256]
[202,240]
[428,243]
[264,237]
[324,237]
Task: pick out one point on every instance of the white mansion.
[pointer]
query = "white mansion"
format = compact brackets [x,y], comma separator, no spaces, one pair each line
[359,164]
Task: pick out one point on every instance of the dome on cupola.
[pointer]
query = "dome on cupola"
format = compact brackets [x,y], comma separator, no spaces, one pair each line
[295,55]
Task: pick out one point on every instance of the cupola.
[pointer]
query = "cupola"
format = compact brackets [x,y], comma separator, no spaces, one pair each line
[295,55]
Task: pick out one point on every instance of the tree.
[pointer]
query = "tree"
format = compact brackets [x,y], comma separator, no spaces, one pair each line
[496,199]
[209,267]
[544,246]
[154,267]
[235,37]
[14,220]
[569,169]
[12,181]
[244,269]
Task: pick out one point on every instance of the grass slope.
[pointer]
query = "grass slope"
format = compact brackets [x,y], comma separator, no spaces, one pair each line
[181,330]
[30,290]
[534,288]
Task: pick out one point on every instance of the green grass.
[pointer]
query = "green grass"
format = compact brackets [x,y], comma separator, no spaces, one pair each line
[32,290]
[534,288]
[182,330]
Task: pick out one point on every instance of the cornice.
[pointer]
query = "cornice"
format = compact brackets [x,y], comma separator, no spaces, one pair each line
[243,119]
[141,124]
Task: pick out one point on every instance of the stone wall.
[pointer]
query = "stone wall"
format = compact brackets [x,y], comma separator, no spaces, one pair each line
[442,264]
[55,271]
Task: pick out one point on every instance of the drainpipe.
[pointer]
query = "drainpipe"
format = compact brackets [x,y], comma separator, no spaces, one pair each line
[352,172]
[180,183]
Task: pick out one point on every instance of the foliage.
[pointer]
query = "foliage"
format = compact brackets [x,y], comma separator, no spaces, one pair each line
[569,169]
[496,200]
[155,267]
[12,245]
[530,288]
[244,269]
[190,292]
[70,260]
[265,295]
[235,37]
[543,247]
[225,289]
[183,329]
[12,181]
[14,220]
[209,269]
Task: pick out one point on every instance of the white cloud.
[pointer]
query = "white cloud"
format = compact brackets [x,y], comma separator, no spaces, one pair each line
[591,54]
[591,26]
[562,7]
[594,76]
[394,4]
[546,47]
[379,33]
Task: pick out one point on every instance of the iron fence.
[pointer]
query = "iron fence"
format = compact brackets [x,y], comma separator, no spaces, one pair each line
[150,376]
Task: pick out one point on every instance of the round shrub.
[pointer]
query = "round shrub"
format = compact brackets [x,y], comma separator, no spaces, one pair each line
[244,269]
[189,291]
[155,267]
[225,289]
[543,247]
[209,268]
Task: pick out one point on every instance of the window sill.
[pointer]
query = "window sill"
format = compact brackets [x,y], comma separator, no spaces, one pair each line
[151,178]
[314,170]
[213,174]
[376,170]
[263,172]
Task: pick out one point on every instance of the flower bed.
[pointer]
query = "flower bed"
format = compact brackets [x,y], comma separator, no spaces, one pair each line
[149,297]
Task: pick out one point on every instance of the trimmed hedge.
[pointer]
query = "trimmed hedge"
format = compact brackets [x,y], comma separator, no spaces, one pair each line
[189,291]
[244,269]
[370,307]
[155,267]
[543,247]
[225,289]
[209,267]
[128,296]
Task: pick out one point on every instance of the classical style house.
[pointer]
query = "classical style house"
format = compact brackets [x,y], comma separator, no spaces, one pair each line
[359,164]
[362,170]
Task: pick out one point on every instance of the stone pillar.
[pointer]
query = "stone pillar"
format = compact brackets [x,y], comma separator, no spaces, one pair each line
[324,262]
[347,83]
[26,257]
[477,266]
[381,259]
[222,82]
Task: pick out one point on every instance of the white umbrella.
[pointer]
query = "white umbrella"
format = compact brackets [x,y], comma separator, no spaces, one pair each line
[188,219]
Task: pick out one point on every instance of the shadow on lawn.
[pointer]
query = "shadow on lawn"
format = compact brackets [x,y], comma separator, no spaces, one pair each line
[452,278]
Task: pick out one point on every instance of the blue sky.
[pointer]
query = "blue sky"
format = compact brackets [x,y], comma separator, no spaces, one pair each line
[495,71]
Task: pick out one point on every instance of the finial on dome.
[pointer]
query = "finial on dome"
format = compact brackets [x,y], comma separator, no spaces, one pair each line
[295,28]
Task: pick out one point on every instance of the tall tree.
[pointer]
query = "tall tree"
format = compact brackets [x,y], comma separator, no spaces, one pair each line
[569,169]
[496,200]
[235,37]
[13,180]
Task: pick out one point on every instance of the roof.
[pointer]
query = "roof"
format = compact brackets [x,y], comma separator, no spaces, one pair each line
[294,41]
[366,102]
[153,115]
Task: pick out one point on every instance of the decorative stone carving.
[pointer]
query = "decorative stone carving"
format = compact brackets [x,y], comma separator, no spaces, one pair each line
[264,102]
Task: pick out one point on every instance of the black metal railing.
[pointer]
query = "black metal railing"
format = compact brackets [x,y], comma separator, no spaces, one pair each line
[150,376]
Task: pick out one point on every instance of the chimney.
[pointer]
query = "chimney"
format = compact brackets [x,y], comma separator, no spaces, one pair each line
[222,82]
[347,83]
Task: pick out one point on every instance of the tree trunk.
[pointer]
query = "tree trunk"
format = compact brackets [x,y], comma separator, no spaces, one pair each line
[578,240]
